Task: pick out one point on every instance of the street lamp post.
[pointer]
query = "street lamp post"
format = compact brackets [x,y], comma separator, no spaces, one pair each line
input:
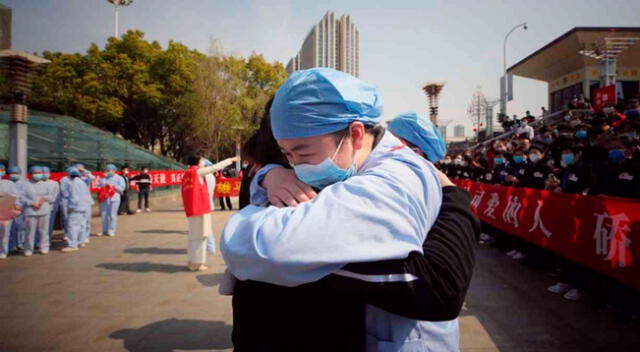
[503,86]
[116,11]
[18,67]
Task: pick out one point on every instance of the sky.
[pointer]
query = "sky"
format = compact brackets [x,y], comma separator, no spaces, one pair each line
[403,43]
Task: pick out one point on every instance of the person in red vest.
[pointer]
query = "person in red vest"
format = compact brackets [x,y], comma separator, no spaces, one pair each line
[197,208]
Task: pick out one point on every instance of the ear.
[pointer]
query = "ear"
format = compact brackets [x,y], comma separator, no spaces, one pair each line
[357,132]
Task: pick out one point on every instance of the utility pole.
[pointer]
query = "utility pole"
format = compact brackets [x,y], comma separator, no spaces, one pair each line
[477,110]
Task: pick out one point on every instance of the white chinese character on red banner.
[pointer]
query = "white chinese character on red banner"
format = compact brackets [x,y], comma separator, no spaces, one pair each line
[611,238]
[492,205]
[477,198]
[163,179]
[537,221]
[155,179]
[510,213]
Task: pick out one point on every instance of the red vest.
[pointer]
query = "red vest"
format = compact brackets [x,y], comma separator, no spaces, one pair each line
[195,195]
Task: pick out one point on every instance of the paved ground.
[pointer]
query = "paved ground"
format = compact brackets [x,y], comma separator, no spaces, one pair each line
[132,293]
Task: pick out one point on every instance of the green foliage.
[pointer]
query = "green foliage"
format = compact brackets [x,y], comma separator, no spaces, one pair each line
[171,100]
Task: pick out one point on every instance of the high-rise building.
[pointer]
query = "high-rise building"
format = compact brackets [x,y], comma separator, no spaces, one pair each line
[333,42]
[443,131]
[458,131]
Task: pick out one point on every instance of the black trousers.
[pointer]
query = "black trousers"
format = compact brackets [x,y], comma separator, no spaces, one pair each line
[143,194]
[228,200]
[124,203]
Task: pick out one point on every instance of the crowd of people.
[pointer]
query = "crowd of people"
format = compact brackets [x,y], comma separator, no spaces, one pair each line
[39,200]
[586,152]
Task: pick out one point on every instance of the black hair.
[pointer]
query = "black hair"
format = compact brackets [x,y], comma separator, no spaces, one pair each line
[262,148]
[194,159]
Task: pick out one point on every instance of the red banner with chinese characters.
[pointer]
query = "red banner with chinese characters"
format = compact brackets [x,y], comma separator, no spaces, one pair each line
[225,187]
[602,233]
[603,96]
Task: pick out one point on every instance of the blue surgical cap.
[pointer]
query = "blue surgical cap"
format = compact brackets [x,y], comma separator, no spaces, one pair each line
[14,170]
[111,167]
[207,163]
[320,101]
[46,170]
[36,169]
[79,166]
[73,171]
[419,131]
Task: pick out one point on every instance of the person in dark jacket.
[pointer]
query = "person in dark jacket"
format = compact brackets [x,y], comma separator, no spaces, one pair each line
[125,196]
[619,176]
[538,171]
[575,177]
[143,181]
[329,315]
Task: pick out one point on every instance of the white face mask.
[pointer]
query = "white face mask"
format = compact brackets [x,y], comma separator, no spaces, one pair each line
[534,157]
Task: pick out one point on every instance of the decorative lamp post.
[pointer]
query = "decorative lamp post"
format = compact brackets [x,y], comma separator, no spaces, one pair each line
[433,89]
[18,67]
[116,10]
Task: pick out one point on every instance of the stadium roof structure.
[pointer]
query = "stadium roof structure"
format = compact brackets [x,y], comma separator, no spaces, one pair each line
[578,48]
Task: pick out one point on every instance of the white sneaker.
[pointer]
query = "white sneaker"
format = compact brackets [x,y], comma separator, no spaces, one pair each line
[28,253]
[573,295]
[111,234]
[558,288]
[485,236]
[99,234]
[68,249]
[512,252]
[519,256]
[139,211]
[82,245]
[66,238]
[44,251]
[3,256]
[147,210]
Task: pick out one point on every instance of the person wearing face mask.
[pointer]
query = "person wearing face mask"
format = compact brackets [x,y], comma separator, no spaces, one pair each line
[538,171]
[419,134]
[619,175]
[525,129]
[445,165]
[111,188]
[197,202]
[124,199]
[613,117]
[53,189]
[326,123]
[6,187]
[36,202]
[516,168]
[16,239]
[498,173]
[88,178]
[77,198]
[575,177]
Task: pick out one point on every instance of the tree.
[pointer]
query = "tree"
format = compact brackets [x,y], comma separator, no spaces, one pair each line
[173,101]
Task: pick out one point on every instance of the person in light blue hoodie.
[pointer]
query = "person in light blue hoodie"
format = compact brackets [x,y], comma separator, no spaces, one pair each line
[378,202]
[53,188]
[36,202]
[78,200]
[109,207]
[88,178]
[16,237]
[8,187]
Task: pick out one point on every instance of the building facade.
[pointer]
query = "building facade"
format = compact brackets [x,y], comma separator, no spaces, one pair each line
[333,42]
[458,131]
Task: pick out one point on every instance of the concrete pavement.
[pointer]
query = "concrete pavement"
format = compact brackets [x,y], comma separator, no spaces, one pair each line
[133,293]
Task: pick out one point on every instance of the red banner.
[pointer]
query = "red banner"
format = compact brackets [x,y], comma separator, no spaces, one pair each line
[603,96]
[596,231]
[225,187]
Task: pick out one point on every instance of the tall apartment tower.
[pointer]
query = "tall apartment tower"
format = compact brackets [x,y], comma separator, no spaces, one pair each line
[333,42]
[458,131]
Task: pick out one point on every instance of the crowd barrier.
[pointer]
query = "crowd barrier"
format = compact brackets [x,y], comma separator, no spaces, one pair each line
[225,186]
[598,232]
